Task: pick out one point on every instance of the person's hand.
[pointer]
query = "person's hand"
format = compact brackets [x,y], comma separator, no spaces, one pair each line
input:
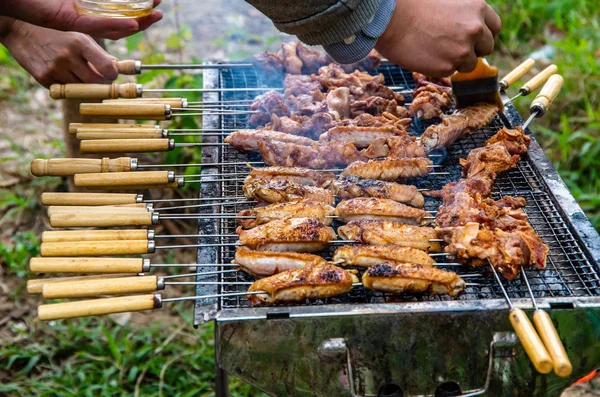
[51,56]
[438,37]
[62,15]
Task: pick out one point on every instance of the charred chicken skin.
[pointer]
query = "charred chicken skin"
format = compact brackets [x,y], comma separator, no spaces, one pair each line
[288,235]
[361,137]
[391,233]
[307,208]
[277,191]
[389,169]
[247,140]
[303,176]
[369,255]
[377,209]
[351,186]
[310,282]
[398,278]
[266,263]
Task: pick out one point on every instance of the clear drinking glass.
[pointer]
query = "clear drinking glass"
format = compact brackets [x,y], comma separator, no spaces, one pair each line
[115,8]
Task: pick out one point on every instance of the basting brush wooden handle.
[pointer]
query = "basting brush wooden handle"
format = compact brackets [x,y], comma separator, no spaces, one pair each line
[71,166]
[173,102]
[86,265]
[98,307]
[126,145]
[94,209]
[76,127]
[94,248]
[89,199]
[531,341]
[548,93]
[35,286]
[517,73]
[118,179]
[545,327]
[145,111]
[62,236]
[101,220]
[132,134]
[537,80]
[95,91]
[95,288]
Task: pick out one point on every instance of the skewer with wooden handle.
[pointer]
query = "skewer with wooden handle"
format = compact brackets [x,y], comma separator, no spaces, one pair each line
[121,179]
[71,166]
[61,236]
[146,111]
[97,209]
[97,248]
[35,286]
[132,67]
[52,198]
[76,127]
[541,103]
[516,74]
[133,134]
[89,265]
[536,81]
[127,145]
[172,102]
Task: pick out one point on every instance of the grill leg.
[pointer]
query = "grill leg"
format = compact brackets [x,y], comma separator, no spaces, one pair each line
[221,382]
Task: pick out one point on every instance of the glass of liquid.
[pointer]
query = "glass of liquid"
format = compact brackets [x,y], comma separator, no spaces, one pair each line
[115,8]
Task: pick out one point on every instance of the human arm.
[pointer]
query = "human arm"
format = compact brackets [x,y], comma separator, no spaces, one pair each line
[51,56]
[62,15]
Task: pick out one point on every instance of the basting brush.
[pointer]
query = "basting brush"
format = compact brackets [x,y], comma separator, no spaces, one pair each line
[480,85]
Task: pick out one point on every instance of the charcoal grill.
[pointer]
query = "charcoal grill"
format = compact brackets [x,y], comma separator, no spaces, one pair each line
[370,344]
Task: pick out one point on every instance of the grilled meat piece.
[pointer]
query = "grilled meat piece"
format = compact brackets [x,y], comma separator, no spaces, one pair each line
[391,233]
[405,146]
[247,140]
[376,106]
[299,175]
[442,135]
[306,208]
[390,169]
[269,62]
[311,59]
[361,137]
[398,278]
[266,263]
[479,115]
[368,120]
[291,62]
[310,282]
[277,191]
[372,89]
[288,235]
[429,102]
[439,82]
[305,104]
[295,84]
[377,149]
[490,158]
[378,209]
[351,186]
[371,62]
[265,105]
[319,156]
[515,141]
[333,76]
[318,123]
[284,124]
[338,100]
[369,255]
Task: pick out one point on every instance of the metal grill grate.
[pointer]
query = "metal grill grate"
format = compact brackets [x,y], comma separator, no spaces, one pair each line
[568,272]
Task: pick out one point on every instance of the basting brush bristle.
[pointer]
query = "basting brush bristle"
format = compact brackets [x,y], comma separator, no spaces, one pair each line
[480,85]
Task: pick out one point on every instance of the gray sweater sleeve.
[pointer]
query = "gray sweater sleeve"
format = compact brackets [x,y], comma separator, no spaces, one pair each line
[319,22]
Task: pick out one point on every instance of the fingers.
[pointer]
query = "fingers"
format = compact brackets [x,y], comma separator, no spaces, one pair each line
[145,22]
[84,72]
[484,44]
[102,61]
[468,63]
[493,21]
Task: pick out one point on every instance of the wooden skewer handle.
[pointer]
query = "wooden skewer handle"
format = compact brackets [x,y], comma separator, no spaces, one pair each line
[35,286]
[549,91]
[101,220]
[88,265]
[531,341]
[146,111]
[128,67]
[118,179]
[180,182]
[539,79]
[95,288]
[517,73]
[76,127]
[131,134]
[95,91]
[62,236]
[95,248]
[66,167]
[126,145]
[89,199]
[545,327]
[98,307]
[96,209]
[173,102]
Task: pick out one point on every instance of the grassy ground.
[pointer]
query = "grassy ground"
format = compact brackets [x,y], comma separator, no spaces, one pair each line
[161,354]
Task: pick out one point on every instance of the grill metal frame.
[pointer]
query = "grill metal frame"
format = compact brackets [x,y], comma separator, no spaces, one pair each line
[571,278]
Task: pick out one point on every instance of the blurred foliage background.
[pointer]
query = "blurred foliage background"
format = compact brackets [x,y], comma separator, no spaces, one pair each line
[160,353]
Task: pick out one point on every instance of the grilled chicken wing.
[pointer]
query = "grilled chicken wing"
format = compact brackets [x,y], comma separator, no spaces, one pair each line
[479,115]
[352,186]
[247,140]
[369,255]
[278,191]
[442,135]
[377,209]
[398,278]
[389,169]
[288,235]
[266,263]
[391,233]
[307,208]
[318,156]
[311,282]
[405,146]
[361,137]
[303,176]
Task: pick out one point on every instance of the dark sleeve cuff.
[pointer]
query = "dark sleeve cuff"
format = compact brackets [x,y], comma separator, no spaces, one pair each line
[354,48]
